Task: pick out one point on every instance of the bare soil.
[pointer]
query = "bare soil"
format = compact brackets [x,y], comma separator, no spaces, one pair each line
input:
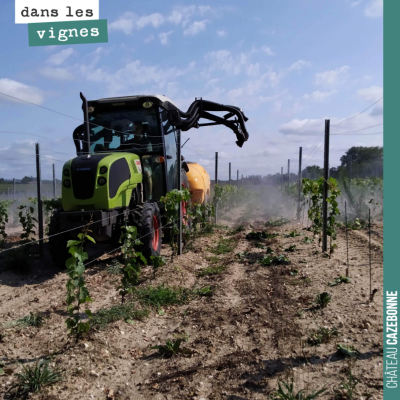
[251,333]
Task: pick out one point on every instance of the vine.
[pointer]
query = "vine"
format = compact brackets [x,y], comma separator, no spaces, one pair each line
[27,221]
[131,269]
[314,189]
[3,220]
[172,201]
[77,292]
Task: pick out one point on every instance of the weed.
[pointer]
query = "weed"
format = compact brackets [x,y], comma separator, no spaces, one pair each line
[292,234]
[269,250]
[242,255]
[277,222]
[307,240]
[291,248]
[277,260]
[323,299]
[33,319]
[34,379]
[169,349]
[206,291]
[347,388]
[213,259]
[120,312]
[348,351]
[115,268]
[286,392]
[236,230]
[211,270]
[224,246]
[321,335]
[259,246]
[260,235]
[293,272]
[339,280]
[162,296]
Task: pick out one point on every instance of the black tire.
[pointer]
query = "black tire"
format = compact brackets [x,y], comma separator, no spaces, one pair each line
[58,244]
[147,219]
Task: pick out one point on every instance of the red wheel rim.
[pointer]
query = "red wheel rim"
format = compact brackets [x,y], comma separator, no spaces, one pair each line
[156,236]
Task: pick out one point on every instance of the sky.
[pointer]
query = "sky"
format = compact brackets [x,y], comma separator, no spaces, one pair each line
[289,64]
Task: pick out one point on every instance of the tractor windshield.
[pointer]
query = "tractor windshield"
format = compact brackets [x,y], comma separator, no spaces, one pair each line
[131,130]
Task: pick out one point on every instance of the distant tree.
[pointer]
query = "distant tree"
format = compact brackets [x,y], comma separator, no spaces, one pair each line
[364,161]
[312,172]
[27,179]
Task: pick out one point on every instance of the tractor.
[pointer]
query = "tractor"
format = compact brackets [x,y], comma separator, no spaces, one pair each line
[127,158]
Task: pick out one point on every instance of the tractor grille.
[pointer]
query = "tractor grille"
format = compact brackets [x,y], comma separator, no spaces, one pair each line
[83,183]
[83,174]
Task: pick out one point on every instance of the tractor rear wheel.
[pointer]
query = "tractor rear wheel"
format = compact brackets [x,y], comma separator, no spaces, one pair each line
[58,241]
[147,219]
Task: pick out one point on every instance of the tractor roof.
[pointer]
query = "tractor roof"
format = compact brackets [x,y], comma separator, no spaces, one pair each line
[134,98]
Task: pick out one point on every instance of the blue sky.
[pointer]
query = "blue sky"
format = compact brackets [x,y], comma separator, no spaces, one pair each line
[289,64]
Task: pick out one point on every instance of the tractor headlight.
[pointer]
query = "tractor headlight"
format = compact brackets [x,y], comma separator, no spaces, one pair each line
[102,181]
[66,172]
[67,183]
[103,170]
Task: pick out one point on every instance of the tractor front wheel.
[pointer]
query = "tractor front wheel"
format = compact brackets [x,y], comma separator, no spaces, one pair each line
[58,241]
[149,226]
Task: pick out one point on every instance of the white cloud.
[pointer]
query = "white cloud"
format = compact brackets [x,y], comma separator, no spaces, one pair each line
[20,91]
[196,27]
[318,96]
[164,37]
[374,9]
[333,77]
[221,33]
[59,58]
[298,65]
[58,74]
[148,39]
[372,93]
[125,23]
[155,19]
[267,50]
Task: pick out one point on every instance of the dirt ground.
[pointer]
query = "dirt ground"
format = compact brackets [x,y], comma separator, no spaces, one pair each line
[250,334]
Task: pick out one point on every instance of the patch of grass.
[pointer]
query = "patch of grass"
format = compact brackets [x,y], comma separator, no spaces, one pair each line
[347,387]
[238,229]
[321,335]
[286,392]
[213,259]
[206,291]
[158,296]
[339,280]
[171,348]
[277,260]
[33,380]
[277,222]
[115,268]
[211,270]
[291,248]
[292,234]
[117,313]
[224,246]
[33,319]
[260,235]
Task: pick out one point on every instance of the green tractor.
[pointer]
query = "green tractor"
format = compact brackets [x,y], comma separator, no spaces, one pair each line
[128,157]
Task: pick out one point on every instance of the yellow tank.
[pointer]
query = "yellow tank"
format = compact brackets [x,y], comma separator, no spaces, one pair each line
[199,183]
